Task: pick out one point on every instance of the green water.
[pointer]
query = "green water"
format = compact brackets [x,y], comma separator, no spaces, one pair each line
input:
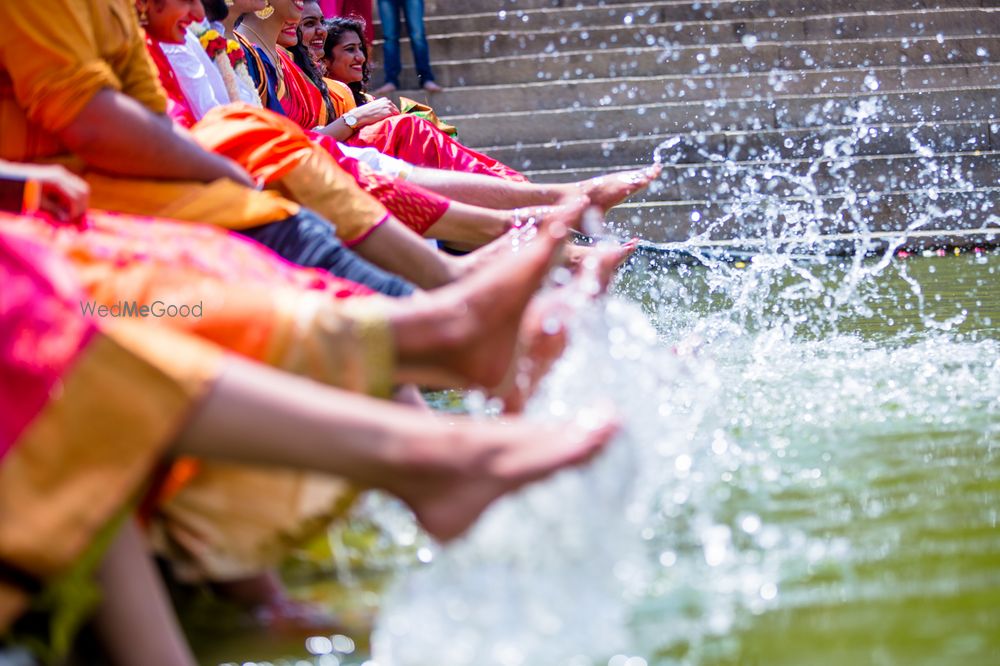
[870,456]
[856,481]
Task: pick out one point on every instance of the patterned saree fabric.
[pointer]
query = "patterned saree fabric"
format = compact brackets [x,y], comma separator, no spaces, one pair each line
[419,142]
[93,412]
[213,519]
[404,136]
[251,301]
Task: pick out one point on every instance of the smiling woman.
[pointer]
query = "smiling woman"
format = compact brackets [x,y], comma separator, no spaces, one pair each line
[172,17]
[313,33]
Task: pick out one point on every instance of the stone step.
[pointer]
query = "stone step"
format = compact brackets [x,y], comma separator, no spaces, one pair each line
[448,7]
[634,14]
[695,9]
[652,89]
[929,241]
[783,179]
[717,60]
[569,160]
[665,222]
[749,33]
[778,112]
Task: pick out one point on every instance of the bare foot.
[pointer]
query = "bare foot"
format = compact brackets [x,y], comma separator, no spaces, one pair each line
[297,618]
[602,262]
[384,90]
[432,87]
[465,333]
[522,225]
[450,480]
[543,338]
[541,341]
[611,189]
[267,600]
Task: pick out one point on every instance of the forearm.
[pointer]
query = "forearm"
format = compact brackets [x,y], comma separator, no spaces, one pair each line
[117,135]
[338,129]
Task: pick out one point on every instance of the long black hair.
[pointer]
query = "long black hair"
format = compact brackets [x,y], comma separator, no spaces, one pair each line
[300,52]
[215,10]
[335,29]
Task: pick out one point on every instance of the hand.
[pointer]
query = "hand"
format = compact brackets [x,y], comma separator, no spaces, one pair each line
[372,112]
[64,195]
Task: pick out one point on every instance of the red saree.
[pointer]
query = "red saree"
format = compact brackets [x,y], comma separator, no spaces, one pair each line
[404,136]
[269,148]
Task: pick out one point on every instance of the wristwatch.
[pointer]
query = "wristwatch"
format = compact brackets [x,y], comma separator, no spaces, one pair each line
[351,120]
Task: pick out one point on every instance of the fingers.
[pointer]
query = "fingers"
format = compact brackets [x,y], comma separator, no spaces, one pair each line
[64,196]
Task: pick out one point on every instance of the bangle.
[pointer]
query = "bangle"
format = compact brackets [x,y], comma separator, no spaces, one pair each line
[31,200]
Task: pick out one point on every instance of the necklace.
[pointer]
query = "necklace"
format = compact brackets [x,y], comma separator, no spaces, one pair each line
[272,54]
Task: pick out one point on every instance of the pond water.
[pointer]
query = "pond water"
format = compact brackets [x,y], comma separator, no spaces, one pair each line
[809,473]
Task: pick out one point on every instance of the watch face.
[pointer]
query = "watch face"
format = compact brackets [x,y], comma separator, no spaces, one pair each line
[350,120]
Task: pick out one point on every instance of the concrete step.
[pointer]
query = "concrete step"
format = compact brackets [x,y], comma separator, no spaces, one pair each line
[448,7]
[652,89]
[802,178]
[665,222]
[568,160]
[698,60]
[694,9]
[749,33]
[929,241]
[783,179]
[778,112]
[633,14]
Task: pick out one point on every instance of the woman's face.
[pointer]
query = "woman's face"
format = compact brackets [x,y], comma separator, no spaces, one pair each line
[288,13]
[346,60]
[312,29]
[246,6]
[169,19]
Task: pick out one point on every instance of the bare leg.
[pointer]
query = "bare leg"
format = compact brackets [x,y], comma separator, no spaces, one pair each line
[265,596]
[135,620]
[447,472]
[396,248]
[476,226]
[604,191]
[408,394]
[392,246]
[466,332]
[542,337]
[603,261]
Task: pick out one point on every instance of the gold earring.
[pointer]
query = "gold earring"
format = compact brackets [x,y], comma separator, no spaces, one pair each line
[230,3]
[144,16]
[265,13]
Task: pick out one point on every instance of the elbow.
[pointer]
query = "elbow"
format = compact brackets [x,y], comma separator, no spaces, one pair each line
[84,134]
[81,139]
